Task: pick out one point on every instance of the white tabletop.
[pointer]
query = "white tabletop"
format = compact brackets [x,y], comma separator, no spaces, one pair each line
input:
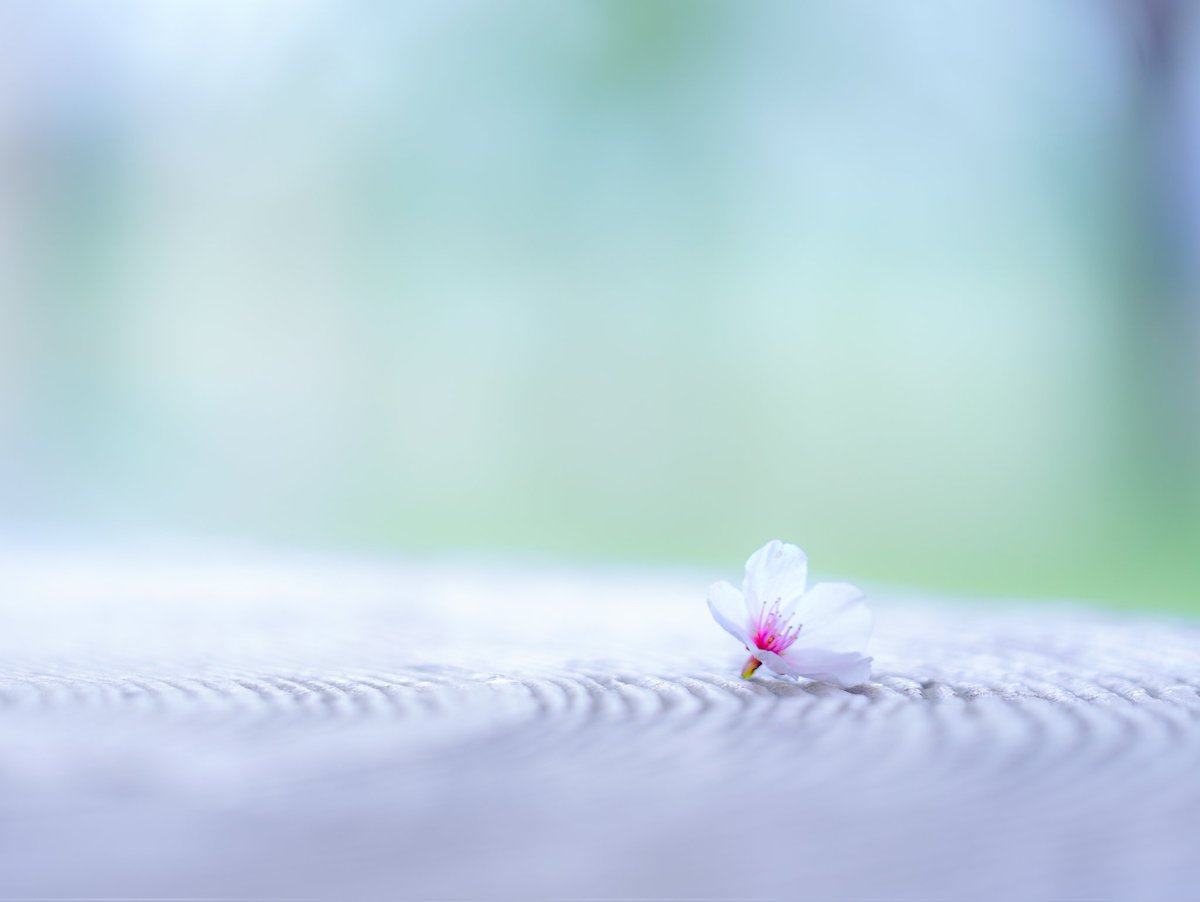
[240,724]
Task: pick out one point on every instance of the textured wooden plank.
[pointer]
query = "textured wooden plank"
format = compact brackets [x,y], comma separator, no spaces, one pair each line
[176,724]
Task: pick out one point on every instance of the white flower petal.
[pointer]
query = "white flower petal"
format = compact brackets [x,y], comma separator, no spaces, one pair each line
[728,609]
[844,669]
[852,670]
[834,616]
[775,571]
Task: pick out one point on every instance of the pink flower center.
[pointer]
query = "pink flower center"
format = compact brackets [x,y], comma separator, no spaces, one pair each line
[773,631]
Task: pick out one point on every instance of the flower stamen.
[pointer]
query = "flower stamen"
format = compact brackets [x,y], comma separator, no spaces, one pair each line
[772,630]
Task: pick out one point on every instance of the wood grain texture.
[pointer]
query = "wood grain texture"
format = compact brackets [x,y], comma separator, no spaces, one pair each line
[185,724]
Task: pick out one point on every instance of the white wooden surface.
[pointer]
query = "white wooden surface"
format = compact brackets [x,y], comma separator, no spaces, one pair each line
[231,724]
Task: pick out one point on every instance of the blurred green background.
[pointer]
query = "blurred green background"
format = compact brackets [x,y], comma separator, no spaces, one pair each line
[913,285]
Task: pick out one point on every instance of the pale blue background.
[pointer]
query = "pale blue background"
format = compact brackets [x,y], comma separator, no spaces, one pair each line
[910,284]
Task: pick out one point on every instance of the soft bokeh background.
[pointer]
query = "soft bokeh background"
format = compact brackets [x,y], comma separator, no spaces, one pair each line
[914,284]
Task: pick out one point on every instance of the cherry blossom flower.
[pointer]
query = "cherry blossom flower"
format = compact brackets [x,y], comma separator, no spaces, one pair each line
[819,633]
